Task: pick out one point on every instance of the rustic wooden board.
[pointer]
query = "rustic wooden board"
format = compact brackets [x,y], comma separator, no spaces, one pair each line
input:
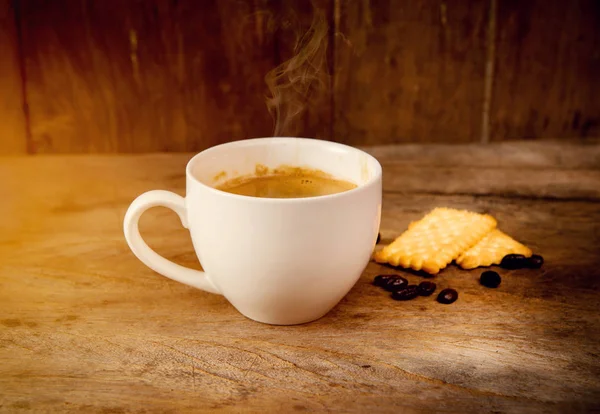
[527,170]
[86,327]
[547,78]
[554,155]
[13,135]
[130,76]
[413,71]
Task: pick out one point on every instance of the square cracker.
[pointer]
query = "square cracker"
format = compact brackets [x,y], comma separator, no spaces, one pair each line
[490,250]
[431,243]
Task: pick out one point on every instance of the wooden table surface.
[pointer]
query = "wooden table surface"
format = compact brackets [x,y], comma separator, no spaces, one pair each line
[85,327]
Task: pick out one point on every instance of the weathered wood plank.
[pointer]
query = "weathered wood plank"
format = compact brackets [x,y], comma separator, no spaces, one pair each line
[547,70]
[519,182]
[81,314]
[130,76]
[557,155]
[409,71]
[522,169]
[13,131]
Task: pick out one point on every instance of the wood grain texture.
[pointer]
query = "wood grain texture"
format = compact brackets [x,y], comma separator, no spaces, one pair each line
[554,155]
[13,131]
[409,71]
[130,76]
[547,70]
[160,75]
[522,170]
[86,327]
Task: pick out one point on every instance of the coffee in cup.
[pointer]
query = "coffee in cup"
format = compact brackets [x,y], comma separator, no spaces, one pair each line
[286,182]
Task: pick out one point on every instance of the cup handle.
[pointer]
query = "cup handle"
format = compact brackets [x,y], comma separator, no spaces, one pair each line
[149,257]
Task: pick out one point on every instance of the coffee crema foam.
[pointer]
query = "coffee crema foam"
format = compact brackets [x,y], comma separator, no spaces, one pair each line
[285,182]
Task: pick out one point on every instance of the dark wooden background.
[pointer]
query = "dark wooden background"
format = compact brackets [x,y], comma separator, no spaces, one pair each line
[81,76]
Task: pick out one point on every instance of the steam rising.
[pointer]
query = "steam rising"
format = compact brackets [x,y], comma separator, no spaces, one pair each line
[301,81]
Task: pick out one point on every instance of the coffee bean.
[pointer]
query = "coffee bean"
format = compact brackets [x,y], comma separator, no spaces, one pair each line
[395,284]
[406,293]
[535,262]
[381,280]
[390,282]
[447,296]
[378,237]
[426,288]
[514,261]
[490,279]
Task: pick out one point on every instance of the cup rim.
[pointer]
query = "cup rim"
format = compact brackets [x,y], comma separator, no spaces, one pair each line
[359,188]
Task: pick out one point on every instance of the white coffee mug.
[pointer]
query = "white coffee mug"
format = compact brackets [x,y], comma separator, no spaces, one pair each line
[280,261]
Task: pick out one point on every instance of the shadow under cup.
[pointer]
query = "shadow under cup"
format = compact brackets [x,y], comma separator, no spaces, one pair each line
[287,260]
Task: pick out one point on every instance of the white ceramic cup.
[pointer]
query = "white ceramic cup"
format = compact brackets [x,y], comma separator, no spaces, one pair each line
[279,261]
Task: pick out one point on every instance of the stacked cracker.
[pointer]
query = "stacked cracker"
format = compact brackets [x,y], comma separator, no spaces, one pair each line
[446,234]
